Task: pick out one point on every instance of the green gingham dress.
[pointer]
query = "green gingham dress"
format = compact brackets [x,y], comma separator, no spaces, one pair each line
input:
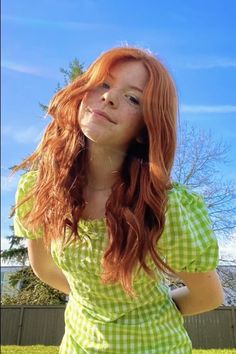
[103,318]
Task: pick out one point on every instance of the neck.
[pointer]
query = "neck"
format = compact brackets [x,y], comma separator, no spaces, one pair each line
[104,164]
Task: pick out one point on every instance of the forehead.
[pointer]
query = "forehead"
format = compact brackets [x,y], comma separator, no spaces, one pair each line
[129,71]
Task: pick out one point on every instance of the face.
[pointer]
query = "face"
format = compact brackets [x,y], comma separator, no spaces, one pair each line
[112,113]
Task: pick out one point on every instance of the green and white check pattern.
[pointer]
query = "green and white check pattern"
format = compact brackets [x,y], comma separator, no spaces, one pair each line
[102,318]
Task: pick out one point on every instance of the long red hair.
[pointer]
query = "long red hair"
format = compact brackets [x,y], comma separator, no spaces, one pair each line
[135,210]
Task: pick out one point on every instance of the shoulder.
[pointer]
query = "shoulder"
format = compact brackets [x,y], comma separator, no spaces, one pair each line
[28,179]
[183,196]
[26,183]
[24,205]
[187,215]
[188,241]
[185,204]
[25,187]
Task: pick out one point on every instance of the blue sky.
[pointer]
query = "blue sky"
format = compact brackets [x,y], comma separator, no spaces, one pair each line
[195,39]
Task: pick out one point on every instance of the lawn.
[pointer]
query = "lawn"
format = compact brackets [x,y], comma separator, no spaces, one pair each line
[41,349]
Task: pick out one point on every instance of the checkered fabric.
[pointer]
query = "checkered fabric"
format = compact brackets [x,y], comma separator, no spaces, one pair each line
[103,318]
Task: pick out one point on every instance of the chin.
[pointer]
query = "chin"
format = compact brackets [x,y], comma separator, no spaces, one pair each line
[96,137]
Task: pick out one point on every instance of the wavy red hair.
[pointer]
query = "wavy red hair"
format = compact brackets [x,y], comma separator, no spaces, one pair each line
[135,210]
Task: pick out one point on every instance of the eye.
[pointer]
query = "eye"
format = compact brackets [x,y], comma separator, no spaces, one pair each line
[105,85]
[134,100]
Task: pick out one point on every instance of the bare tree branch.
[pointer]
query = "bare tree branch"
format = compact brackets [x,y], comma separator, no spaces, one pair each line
[198,164]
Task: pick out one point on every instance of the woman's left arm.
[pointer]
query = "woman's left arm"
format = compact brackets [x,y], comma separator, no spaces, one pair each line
[203,292]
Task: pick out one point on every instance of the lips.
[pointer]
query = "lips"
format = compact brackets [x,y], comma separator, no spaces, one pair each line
[103,114]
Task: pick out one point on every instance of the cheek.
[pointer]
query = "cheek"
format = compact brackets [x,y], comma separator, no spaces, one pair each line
[135,119]
[84,104]
[90,97]
[81,111]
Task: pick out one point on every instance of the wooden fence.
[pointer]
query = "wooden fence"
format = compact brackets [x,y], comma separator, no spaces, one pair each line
[29,325]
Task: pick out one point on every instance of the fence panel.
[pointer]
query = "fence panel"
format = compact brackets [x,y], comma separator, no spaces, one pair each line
[10,322]
[43,325]
[30,325]
[214,329]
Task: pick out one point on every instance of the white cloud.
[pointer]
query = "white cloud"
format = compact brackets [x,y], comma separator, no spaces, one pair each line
[207,108]
[28,135]
[211,63]
[206,62]
[9,183]
[64,25]
[28,69]
[21,68]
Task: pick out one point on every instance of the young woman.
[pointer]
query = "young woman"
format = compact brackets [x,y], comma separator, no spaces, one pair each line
[106,224]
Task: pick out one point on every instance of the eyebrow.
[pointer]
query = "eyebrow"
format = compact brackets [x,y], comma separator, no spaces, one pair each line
[132,87]
[136,88]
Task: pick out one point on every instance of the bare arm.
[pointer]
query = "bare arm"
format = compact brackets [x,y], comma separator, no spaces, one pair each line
[203,292]
[45,268]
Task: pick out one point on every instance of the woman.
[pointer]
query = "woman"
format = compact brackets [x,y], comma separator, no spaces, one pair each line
[106,224]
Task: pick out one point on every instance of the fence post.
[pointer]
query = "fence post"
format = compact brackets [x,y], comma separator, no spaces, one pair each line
[20,325]
[233,311]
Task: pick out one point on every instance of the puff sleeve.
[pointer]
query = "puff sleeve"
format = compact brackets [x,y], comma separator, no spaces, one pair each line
[188,243]
[24,187]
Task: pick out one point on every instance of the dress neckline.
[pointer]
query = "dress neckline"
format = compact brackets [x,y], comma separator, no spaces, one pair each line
[97,221]
[101,218]
[94,228]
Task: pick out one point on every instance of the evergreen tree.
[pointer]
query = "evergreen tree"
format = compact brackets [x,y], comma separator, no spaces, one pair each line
[32,291]
[17,252]
[75,69]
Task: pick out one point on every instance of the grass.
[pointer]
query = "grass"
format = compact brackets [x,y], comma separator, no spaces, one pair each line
[29,349]
[41,349]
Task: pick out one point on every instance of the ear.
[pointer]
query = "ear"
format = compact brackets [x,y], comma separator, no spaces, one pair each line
[140,139]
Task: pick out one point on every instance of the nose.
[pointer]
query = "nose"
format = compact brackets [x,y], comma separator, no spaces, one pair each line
[111,98]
